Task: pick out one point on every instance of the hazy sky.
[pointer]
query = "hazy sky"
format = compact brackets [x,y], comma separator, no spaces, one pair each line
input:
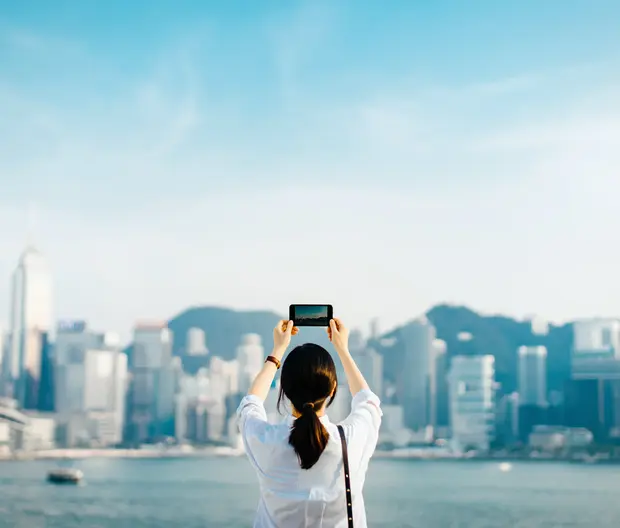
[380,156]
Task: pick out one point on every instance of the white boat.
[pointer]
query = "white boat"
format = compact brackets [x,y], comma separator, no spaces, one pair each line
[505,466]
[65,476]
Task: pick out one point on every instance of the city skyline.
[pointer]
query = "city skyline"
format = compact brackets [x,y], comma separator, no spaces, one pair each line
[126,332]
[165,162]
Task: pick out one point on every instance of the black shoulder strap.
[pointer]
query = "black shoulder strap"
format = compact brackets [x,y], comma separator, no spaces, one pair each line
[347,480]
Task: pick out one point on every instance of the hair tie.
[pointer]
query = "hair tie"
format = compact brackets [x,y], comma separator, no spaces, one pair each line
[308,406]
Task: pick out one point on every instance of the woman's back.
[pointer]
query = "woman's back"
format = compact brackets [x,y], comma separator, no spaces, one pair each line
[299,462]
[296,497]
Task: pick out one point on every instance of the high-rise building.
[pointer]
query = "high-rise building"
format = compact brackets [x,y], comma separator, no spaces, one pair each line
[532,379]
[73,340]
[596,349]
[472,399]
[31,315]
[151,399]
[104,396]
[507,419]
[196,342]
[415,381]
[206,402]
[393,429]
[532,375]
[46,387]
[593,393]
[439,393]
[224,376]
[2,354]
[250,356]
[596,337]
[370,364]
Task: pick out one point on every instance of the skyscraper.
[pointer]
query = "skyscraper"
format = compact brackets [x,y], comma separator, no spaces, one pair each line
[507,420]
[31,315]
[104,395]
[532,379]
[251,356]
[73,340]
[414,385]
[593,393]
[472,399]
[439,393]
[46,387]
[151,399]
[533,376]
[370,363]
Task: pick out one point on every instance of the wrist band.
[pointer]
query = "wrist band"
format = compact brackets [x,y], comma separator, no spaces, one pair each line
[274,360]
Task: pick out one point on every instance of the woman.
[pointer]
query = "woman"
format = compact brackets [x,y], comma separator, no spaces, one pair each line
[299,462]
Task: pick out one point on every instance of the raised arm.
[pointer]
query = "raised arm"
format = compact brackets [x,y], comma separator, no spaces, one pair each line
[281,340]
[363,423]
[339,336]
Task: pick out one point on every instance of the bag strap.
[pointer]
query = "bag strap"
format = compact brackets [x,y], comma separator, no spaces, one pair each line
[347,480]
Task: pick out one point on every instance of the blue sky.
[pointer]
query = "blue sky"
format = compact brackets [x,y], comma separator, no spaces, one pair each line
[378,156]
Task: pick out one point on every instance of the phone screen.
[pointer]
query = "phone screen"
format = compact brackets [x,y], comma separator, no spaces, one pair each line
[311,314]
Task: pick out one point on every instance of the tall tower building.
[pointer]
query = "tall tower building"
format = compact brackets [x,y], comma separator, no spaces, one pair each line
[472,401]
[46,387]
[251,356]
[105,392]
[151,399]
[593,392]
[73,340]
[533,376]
[439,393]
[418,338]
[370,363]
[31,316]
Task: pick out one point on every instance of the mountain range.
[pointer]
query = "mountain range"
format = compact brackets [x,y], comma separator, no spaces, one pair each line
[497,335]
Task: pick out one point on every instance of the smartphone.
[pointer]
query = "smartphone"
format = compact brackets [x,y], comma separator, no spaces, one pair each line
[311,314]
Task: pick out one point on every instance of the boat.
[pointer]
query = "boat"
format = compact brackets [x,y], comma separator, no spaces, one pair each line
[505,466]
[65,476]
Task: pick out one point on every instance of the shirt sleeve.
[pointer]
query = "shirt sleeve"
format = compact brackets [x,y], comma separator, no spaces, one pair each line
[364,422]
[366,408]
[252,422]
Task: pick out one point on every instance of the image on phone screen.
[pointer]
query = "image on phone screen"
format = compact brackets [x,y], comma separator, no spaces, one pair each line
[311,314]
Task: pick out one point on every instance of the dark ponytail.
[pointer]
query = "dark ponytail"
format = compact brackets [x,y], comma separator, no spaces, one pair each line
[308,379]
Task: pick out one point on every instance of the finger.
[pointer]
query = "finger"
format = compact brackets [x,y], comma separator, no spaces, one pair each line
[289,326]
[281,325]
[333,326]
[295,330]
[339,323]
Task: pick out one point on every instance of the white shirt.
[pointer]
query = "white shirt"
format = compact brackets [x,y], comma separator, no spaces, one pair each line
[292,497]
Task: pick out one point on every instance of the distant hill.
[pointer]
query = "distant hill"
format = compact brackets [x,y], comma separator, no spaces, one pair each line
[497,335]
[224,329]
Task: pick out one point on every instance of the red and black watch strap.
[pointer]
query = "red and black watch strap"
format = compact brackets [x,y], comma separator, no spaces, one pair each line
[274,360]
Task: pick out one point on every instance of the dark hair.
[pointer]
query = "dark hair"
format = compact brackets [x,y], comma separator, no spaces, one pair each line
[308,379]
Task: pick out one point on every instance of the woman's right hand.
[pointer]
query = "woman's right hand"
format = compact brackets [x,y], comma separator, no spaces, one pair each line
[338,335]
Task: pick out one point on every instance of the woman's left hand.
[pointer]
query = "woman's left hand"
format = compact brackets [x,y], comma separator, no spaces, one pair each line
[282,336]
